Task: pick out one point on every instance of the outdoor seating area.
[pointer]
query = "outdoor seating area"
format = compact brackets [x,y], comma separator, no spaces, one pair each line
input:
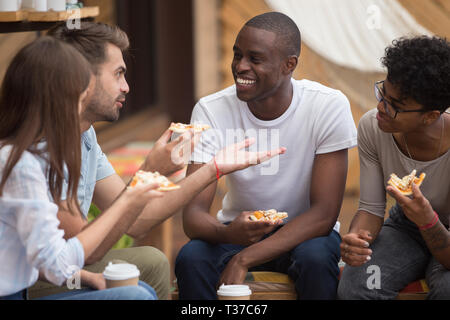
[209,150]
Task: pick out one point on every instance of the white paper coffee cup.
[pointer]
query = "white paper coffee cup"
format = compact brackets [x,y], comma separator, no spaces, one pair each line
[56,5]
[40,5]
[234,292]
[121,274]
[9,5]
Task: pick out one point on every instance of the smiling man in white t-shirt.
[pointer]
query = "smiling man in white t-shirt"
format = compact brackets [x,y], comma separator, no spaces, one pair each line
[315,124]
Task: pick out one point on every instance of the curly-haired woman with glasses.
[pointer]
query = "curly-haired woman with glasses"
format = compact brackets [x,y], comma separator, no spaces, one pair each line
[408,130]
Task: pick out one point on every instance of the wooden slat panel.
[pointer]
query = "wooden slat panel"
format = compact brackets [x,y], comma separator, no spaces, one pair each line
[249,9]
[10,44]
[13,16]
[50,16]
[445,4]
[433,15]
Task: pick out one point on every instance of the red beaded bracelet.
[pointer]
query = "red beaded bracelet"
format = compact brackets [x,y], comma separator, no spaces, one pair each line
[218,173]
[432,223]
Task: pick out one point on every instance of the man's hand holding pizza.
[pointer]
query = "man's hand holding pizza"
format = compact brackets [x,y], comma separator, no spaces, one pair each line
[246,232]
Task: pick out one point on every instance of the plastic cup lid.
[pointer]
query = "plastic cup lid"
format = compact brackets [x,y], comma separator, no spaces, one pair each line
[234,290]
[120,271]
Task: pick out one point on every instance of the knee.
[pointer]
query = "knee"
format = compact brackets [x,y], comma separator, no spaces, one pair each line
[133,293]
[353,285]
[318,257]
[190,254]
[151,261]
[440,291]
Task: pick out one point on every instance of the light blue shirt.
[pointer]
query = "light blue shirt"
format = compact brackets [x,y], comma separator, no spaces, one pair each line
[94,167]
[29,235]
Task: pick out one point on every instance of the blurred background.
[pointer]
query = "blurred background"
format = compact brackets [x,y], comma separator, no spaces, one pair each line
[181,50]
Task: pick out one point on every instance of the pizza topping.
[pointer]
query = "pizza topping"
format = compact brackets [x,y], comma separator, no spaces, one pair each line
[268,215]
[143,177]
[404,185]
[181,128]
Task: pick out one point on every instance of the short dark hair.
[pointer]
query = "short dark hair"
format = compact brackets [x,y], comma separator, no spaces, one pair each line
[420,68]
[284,27]
[91,39]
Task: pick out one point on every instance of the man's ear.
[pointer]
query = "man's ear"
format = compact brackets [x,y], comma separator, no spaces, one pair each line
[290,64]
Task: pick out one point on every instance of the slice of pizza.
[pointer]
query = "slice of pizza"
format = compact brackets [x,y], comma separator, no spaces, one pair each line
[268,215]
[182,128]
[144,177]
[404,185]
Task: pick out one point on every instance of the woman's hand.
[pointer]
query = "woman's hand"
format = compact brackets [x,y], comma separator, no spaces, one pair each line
[355,248]
[136,198]
[418,209]
[92,280]
[233,158]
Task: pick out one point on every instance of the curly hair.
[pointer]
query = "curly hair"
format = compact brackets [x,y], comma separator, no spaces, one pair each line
[420,68]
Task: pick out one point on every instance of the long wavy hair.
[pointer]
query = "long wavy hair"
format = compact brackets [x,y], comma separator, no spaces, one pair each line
[39,100]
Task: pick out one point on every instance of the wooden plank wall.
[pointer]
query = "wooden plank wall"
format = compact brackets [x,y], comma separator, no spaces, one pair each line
[10,43]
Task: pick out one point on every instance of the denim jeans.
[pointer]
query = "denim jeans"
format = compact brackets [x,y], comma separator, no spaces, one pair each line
[312,265]
[399,256]
[141,292]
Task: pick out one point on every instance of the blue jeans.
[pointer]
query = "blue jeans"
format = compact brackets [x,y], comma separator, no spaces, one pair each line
[141,292]
[401,256]
[312,265]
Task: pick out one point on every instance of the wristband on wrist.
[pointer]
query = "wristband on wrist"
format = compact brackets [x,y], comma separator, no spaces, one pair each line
[431,224]
[218,173]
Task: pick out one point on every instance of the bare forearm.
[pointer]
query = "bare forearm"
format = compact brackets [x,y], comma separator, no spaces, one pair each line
[366,221]
[199,224]
[158,210]
[437,239]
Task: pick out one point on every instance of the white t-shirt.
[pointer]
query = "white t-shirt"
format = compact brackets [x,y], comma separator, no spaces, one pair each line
[318,121]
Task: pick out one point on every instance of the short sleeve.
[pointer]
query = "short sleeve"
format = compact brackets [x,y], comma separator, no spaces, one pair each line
[334,128]
[211,141]
[104,167]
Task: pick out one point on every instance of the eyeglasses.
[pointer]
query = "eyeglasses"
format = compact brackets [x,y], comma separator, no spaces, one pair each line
[389,107]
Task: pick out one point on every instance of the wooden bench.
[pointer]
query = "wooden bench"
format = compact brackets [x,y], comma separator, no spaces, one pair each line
[278,286]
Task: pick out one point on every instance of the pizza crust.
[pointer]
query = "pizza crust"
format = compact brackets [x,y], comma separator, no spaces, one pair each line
[182,128]
[268,215]
[404,185]
[143,178]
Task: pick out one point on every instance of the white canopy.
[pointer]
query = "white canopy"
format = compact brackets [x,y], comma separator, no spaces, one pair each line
[350,33]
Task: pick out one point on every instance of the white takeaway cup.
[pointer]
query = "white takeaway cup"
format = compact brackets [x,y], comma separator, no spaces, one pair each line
[56,5]
[121,274]
[9,5]
[40,5]
[234,292]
